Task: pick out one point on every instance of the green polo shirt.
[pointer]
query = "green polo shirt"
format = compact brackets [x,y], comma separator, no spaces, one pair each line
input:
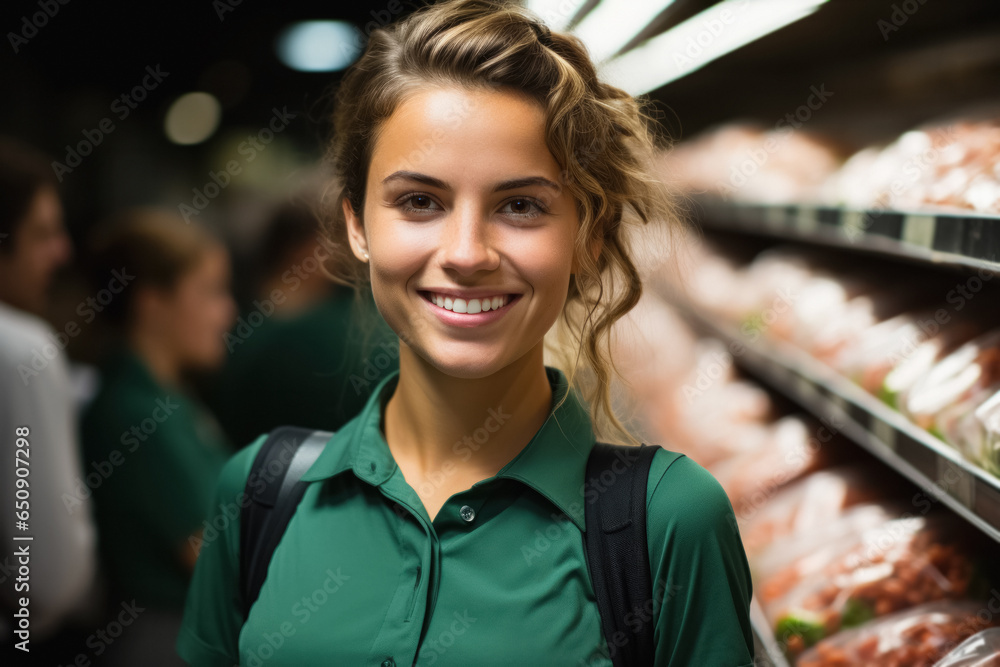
[315,369]
[363,577]
[153,455]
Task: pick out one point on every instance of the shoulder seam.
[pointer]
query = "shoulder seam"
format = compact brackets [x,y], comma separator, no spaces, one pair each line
[680,455]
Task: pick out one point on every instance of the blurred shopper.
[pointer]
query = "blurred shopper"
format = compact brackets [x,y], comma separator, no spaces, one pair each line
[290,260]
[298,355]
[36,403]
[159,450]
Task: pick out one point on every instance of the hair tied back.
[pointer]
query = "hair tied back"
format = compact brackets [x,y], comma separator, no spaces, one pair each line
[543,33]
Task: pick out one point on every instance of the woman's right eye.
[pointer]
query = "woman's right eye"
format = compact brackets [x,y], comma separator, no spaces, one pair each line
[422,203]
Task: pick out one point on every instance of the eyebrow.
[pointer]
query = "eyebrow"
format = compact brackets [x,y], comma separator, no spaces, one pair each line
[511,184]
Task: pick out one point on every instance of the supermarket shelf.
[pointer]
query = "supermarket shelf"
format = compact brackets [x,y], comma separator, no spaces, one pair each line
[955,239]
[768,653]
[844,407]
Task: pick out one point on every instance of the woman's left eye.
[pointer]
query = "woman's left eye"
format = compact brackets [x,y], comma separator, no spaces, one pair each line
[422,202]
[523,207]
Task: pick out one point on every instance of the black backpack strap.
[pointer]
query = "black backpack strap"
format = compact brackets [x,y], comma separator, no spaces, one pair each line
[615,541]
[274,489]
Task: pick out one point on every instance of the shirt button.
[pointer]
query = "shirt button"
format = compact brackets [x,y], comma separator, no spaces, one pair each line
[389,662]
[467,513]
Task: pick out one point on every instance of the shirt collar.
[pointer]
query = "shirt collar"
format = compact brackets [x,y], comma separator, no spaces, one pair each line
[553,463]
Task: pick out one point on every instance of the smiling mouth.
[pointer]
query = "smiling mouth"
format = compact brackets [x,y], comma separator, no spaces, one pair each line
[470,306]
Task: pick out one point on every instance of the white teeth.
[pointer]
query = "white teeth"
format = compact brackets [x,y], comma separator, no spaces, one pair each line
[469,306]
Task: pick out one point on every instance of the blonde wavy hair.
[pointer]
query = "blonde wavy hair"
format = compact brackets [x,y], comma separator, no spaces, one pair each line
[604,140]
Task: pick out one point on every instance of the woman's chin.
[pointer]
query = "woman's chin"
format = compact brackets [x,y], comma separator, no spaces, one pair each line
[466,366]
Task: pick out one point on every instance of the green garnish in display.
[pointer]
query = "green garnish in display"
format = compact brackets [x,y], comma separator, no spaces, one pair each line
[936,433]
[753,324]
[810,629]
[887,396]
[856,612]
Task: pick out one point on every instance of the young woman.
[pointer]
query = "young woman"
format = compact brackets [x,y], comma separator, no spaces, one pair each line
[486,178]
[153,452]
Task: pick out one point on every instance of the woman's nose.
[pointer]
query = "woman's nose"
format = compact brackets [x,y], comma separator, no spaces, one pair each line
[468,241]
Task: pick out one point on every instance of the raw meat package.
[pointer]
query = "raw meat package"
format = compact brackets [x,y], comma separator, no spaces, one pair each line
[810,503]
[980,650]
[724,160]
[712,414]
[712,280]
[960,168]
[973,427]
[916,637]
[969,370]
[785,562]
[900,564]
[919,361]
[785,455]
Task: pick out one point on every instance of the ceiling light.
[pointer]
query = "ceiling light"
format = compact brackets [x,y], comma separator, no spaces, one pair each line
[192,118]
[709,35]
[319,46]
[611,25]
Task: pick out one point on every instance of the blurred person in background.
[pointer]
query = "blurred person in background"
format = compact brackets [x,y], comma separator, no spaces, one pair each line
[36,402]
[297,355]
[171,308]
[289,259]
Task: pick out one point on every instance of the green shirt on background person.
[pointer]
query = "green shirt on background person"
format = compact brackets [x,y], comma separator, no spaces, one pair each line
[152,456]
[364,577]
[315,369]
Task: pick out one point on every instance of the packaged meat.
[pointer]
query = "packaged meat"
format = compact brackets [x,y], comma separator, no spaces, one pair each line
[980,650]
[973,427]
[650,368]
[915,637]
[968,370]
[790,452]
[786,561]
[919,362]
[985,450]
[745,161]
[876,351]
[710,414]
[857,317]
[900,564]
[958,168]
[810,503]
[715,283]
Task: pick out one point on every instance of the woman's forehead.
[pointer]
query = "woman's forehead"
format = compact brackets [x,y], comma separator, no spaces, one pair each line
[457,134]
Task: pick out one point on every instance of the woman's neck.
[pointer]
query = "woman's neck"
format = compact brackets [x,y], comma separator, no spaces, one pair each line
[435,422]
[161,363]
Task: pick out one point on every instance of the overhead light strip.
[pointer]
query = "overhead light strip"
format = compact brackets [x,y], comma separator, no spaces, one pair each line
[611,25]
[705,37]
[556,13]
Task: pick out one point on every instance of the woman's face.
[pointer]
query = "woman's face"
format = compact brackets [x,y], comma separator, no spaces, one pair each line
[198,312]
[463,203]
[40,246]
